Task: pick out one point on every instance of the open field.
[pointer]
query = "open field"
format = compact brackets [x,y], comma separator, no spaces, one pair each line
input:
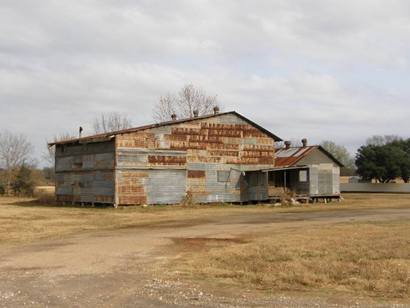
[366,258]
[353,253]
[25,220]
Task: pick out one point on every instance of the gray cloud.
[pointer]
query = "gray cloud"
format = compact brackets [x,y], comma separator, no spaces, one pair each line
[323,69]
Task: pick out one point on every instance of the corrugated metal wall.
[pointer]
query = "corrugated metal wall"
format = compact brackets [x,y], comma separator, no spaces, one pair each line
[324,180]
[165,186]
[85,172]
[200,148]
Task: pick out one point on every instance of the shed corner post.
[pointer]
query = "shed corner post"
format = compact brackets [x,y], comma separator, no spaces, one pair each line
[116,197]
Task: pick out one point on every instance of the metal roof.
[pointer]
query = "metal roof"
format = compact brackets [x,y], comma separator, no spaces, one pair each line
[291,156]
[109,135]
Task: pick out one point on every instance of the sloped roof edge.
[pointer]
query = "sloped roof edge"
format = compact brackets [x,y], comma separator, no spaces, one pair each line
[293,160]
[108,135]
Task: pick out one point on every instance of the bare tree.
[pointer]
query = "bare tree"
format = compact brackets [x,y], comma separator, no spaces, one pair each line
[15,151]
[165,108]
[109,122]
[340,153]
[188,100]
[381,140]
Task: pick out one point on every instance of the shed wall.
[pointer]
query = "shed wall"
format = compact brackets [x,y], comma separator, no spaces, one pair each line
[200,148]
[85,172]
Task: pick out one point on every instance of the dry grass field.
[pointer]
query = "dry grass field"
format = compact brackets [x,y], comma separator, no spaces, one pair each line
[370,259]
[359,247]
[25,220]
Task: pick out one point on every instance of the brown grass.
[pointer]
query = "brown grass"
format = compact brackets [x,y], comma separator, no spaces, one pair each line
[25,220]
[362,258]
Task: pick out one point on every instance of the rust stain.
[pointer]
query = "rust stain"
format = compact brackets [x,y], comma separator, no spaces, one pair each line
[166,160]
[196,173]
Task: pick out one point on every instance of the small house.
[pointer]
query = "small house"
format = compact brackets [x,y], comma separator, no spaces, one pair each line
[306,172]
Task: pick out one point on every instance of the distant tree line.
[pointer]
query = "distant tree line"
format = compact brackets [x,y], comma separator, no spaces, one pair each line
[384,159]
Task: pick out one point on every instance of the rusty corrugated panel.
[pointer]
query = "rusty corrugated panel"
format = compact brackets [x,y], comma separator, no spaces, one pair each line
[201,150]
[131,187]
[255,129]
[166,160]
[193,174]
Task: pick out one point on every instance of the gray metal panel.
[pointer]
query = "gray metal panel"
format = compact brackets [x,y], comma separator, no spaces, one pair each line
[221,191]
[325,181]
[336,180]
[316,157]
[314,180]
[166,186]
[256,186]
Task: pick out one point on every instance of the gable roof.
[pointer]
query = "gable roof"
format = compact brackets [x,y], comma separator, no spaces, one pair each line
[109,135]
[291,156]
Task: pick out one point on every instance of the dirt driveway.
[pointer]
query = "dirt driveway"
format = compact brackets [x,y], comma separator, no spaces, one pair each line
[121,267]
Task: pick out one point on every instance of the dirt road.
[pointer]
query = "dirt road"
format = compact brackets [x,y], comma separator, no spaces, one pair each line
[121,267]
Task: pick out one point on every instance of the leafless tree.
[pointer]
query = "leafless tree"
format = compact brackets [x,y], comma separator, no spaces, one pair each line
[381,140]
[109,122]
[340,153]
[15,151]
[184,103]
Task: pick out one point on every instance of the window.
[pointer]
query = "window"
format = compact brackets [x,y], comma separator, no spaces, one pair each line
[303,176]
[223,176]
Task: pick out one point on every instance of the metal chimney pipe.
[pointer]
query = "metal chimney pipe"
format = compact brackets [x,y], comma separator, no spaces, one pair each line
[173,117]
[304,142]
[216,110]
[196,113]
[287,144]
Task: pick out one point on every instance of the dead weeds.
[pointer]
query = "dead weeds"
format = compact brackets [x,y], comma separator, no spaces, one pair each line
[363,258]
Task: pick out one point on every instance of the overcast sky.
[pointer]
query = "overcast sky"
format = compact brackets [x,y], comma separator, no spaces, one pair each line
[335,70]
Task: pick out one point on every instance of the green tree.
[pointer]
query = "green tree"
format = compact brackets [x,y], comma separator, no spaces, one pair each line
[23,183]
[384,162]
[404,145]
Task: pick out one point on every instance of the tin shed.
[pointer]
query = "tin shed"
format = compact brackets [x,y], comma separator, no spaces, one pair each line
[205,157]
[307,171]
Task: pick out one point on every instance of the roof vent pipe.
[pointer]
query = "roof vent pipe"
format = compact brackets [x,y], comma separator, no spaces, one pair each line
[195,112]
[287,144]
[216,110]
[173,117]
[304,142]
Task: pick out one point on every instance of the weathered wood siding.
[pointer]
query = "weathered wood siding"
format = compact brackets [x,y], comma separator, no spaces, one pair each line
[153,165]
[85,172]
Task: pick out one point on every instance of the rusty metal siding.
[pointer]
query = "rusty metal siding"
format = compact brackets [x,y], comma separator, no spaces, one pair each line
[192,152]
[85,172]
[131,186]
